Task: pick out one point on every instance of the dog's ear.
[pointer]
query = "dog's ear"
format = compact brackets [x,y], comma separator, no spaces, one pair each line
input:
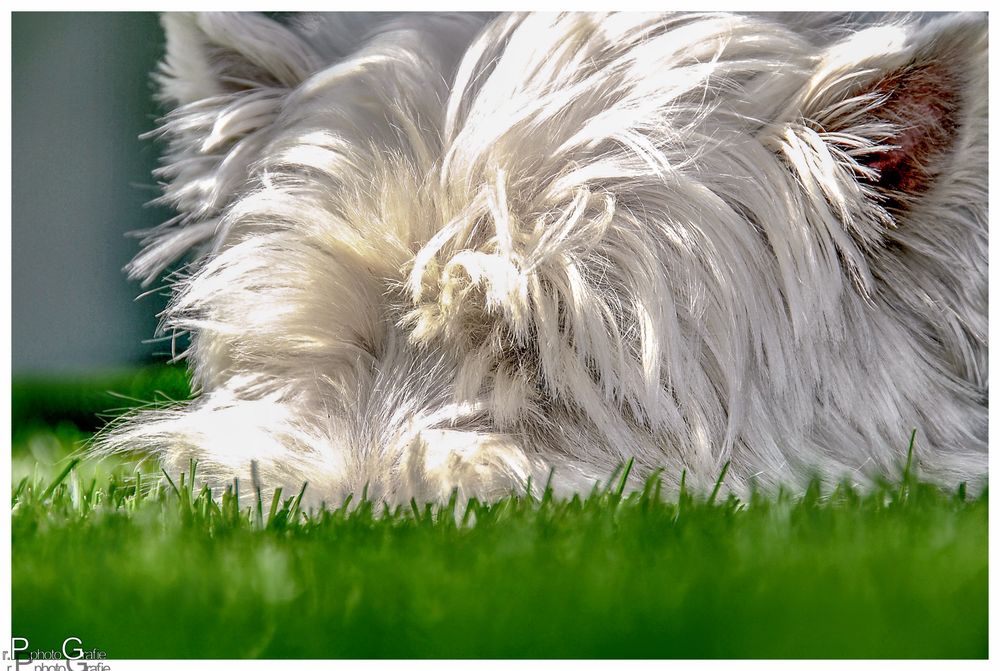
[219,53]
[223,79]
[904,107]
[891,136]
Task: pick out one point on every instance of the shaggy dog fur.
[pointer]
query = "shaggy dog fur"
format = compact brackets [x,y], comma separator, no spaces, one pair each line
[430,252]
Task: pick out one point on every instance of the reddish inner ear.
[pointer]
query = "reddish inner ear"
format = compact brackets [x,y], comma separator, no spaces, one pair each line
[923,102]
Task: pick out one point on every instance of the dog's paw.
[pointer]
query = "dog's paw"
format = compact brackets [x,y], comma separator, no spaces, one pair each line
[486,466]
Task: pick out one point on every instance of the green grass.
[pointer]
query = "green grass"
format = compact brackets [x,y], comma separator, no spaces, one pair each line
[142,566]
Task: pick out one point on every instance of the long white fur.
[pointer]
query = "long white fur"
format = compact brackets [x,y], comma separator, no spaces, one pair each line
[460,251]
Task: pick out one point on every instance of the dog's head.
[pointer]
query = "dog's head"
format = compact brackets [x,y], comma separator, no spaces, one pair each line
[634,222]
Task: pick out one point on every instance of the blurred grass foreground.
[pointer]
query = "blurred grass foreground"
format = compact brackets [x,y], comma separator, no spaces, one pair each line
[140,565]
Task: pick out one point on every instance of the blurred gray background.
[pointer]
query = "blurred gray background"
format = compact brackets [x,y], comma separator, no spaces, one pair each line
[81,96]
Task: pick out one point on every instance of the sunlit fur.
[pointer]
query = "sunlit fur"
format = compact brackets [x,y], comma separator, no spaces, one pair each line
[437,251]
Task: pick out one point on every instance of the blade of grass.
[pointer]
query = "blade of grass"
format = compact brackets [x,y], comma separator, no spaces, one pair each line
[718,483]
[59,478]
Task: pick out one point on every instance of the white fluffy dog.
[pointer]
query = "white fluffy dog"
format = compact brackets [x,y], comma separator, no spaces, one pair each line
[431,252]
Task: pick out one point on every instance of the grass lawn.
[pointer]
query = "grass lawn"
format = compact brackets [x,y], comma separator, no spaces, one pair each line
[161,570]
